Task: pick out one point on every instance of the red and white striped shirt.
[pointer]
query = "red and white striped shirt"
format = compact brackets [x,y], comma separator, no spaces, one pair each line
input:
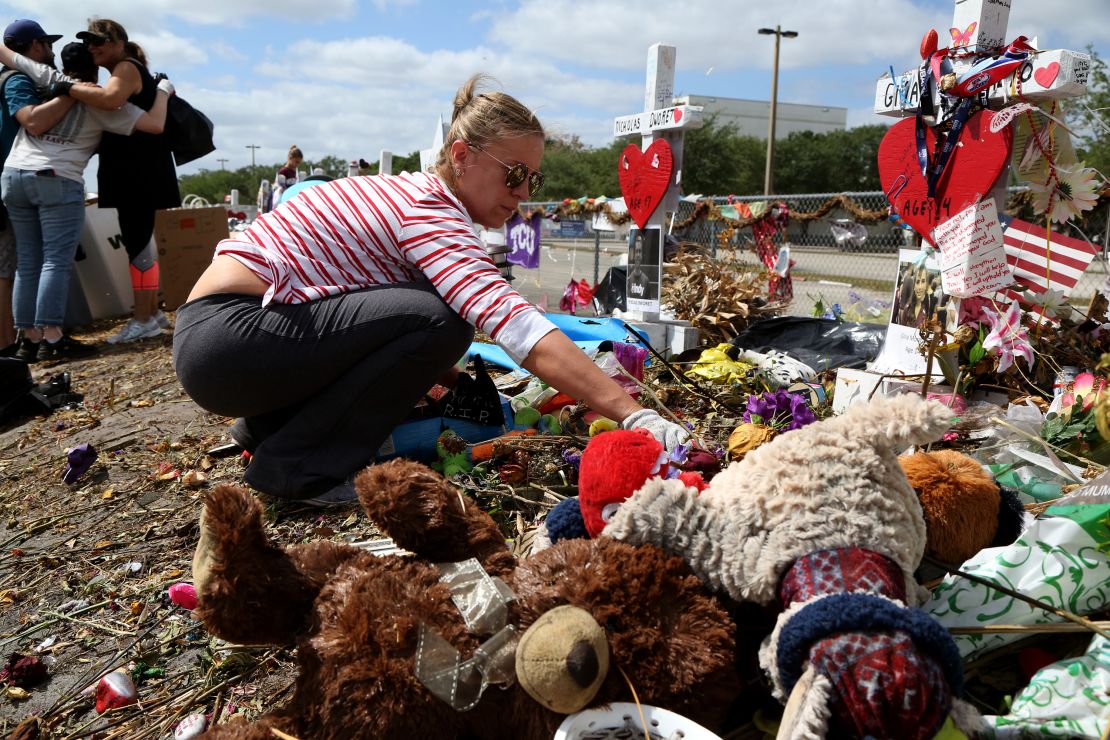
[357,232]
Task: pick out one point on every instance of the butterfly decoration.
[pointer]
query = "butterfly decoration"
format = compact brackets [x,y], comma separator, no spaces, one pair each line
[962,38]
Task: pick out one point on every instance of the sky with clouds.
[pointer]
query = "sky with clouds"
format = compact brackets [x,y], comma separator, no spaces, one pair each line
[351,77]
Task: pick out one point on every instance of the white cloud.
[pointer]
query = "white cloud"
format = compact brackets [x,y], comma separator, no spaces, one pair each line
[384,5]
[227,52]
[388,68]
[165,50]
[153,14]
[709,33]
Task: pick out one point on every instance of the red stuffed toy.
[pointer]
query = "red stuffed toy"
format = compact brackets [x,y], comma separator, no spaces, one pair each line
[614,466]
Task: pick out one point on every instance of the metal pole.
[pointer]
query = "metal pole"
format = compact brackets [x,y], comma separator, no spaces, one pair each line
[597,256]
[253,147]
[768,179]
[223,163]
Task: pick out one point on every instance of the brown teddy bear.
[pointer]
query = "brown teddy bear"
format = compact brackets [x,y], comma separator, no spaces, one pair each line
[458,639]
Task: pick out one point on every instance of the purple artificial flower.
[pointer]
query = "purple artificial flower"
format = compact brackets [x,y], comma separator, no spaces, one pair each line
[573,458]
[760,409]
[780,409]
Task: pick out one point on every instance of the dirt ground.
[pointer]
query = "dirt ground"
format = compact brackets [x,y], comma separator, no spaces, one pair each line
[85,568]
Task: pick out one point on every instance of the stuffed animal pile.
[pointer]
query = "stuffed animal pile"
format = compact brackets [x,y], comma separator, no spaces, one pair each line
[823,522]
[461,640]
[458,640]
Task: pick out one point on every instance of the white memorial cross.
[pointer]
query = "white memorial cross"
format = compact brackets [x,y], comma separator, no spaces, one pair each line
[1047,75]
[428,156]
[1067,76]
[661,119]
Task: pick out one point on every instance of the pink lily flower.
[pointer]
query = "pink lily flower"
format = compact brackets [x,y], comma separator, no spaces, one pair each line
[1007,337]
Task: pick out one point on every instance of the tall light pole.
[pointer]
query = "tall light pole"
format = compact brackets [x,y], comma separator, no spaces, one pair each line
[768,180]
[253,147]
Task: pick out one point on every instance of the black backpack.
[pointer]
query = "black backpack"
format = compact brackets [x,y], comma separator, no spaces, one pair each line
[189,131]
[6,74]
[20,397]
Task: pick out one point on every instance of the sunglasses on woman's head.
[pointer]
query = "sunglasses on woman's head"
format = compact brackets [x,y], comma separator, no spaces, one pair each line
[515,174]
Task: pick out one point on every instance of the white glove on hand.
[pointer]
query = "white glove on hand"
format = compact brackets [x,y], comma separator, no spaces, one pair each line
[166,86]
[669,434]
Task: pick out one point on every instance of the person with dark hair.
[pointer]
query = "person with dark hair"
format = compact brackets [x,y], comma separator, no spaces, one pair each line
[44,191]
[292,161]
[323,323]
[916,302]
[23,107]
[136,175]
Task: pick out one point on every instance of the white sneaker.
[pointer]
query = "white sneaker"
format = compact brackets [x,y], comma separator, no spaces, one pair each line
[162,320]
[134,330]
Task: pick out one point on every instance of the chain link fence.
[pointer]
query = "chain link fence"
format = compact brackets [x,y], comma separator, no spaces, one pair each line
[837,258]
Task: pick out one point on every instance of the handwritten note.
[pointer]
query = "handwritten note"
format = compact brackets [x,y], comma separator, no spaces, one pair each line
[972,256]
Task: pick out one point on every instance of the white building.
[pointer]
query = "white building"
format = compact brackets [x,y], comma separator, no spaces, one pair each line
[751,117]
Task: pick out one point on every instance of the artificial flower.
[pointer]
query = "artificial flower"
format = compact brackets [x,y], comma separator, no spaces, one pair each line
[1007,337]
[780,410]
[971,310]
[1067,193]
[1085,391]
[1052,302]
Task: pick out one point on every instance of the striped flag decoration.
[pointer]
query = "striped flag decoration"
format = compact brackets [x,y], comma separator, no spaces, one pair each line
[1037,270]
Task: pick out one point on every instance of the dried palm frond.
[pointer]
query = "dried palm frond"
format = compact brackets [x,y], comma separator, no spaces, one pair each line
[719,295]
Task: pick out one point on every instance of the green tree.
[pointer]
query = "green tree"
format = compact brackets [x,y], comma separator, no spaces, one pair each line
[213,185]
[832,162]
[717,160]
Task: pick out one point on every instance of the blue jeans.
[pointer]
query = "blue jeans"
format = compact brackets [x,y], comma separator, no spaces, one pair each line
[46,213]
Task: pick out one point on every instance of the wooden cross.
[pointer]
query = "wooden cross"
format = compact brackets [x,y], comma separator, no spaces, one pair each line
[660,119]
[1049,75]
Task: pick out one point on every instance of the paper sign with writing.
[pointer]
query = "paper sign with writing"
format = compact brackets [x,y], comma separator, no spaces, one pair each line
[972,255]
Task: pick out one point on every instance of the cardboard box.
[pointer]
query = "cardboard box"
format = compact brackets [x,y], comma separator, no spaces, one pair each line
[186,239]
[854,386]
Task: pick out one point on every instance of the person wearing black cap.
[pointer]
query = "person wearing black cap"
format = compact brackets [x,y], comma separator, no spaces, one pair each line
[44,191]
[22,106]
[137,175]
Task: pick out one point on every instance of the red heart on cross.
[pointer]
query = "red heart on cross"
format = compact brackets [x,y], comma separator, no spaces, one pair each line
[677,115]
[1046,75]
[644,177]
[974,166]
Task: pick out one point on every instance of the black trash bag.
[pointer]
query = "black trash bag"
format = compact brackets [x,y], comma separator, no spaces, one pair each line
[474,399]
[823,344]
[610,291]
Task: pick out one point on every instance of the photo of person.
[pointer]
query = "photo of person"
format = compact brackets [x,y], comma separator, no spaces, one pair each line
[919,297]
[643,269]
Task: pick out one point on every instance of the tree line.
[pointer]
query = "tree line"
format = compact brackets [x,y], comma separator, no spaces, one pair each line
[718,160]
